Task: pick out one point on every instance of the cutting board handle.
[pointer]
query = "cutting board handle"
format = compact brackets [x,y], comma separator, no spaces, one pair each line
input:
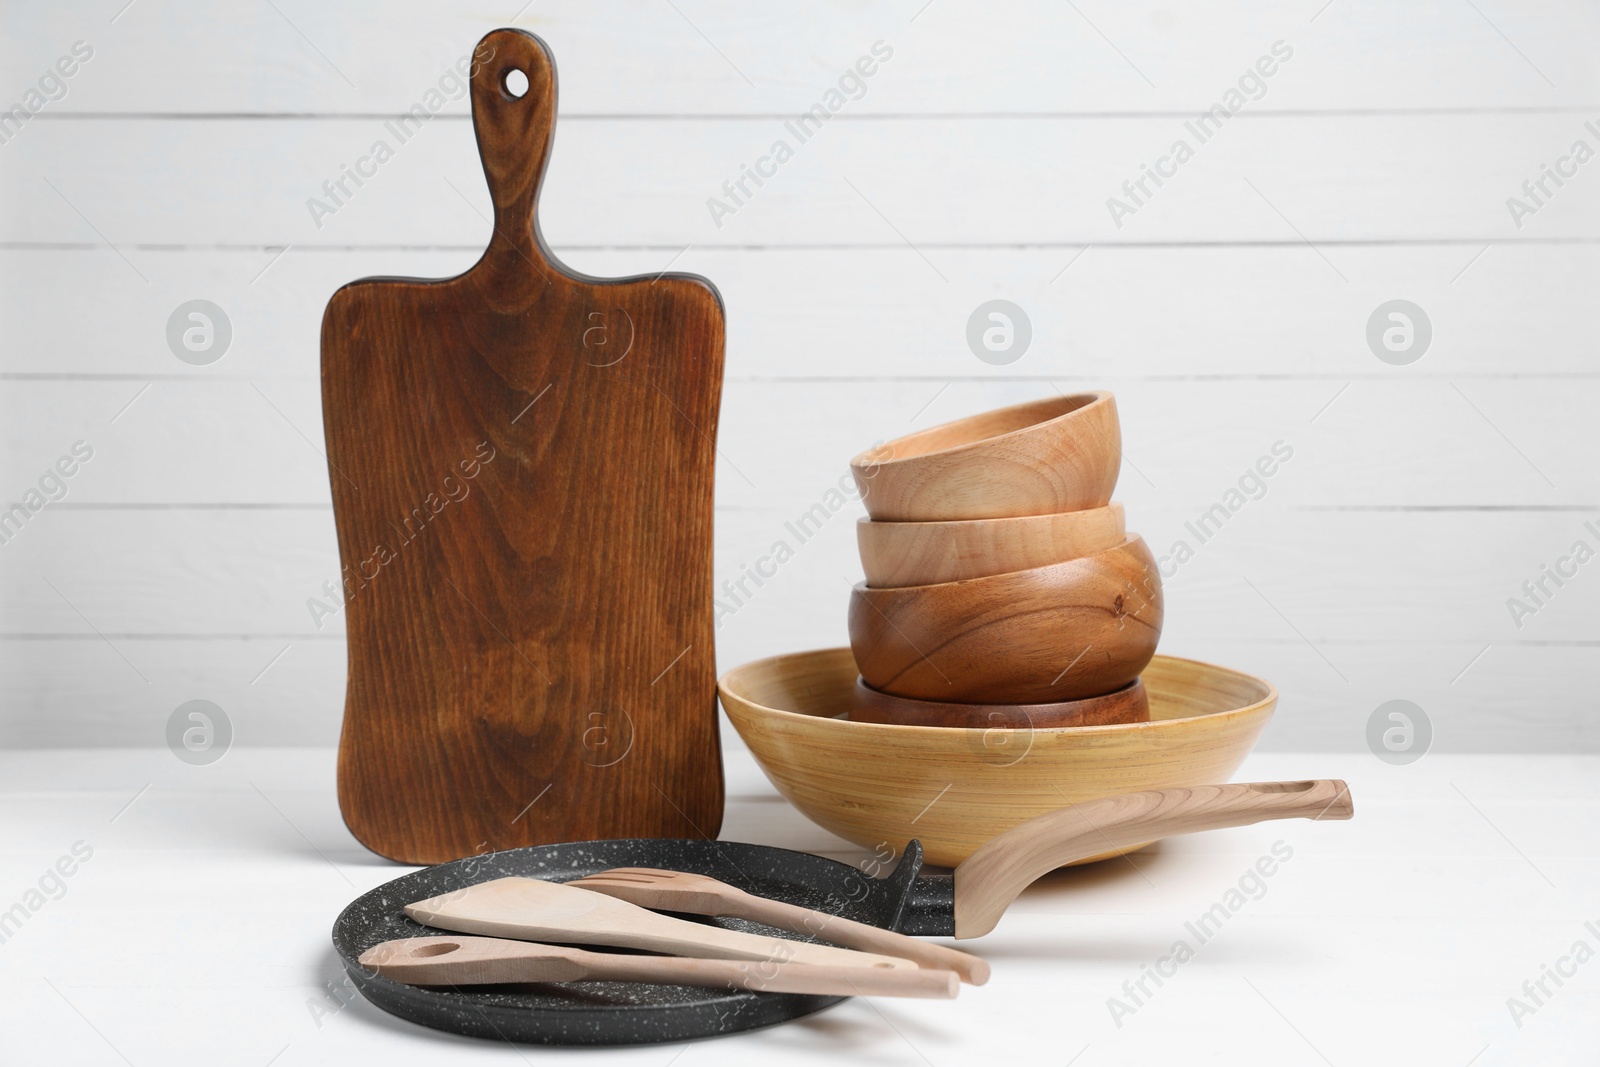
[514,136]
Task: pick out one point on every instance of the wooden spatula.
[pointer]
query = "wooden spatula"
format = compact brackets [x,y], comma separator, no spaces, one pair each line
[495,961]
[699,894]
[530,909]
[522,459]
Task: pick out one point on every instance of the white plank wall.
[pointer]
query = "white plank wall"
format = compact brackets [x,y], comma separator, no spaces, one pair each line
[1228,314]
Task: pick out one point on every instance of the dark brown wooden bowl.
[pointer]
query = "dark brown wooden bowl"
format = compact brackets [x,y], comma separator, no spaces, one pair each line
[1128,704]
[1071,630]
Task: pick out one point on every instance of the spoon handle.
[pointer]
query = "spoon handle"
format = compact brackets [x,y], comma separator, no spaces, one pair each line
[460,961]
[851,934]
[769,976]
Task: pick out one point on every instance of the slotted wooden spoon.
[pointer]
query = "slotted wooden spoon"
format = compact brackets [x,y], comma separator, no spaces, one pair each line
[461,961]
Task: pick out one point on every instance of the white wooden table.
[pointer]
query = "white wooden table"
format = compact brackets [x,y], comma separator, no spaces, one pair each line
[196,931]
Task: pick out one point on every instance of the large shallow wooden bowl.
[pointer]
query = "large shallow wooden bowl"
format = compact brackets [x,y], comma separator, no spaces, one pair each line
[955,789]
[1060,454]
[926,553]
[1064,632]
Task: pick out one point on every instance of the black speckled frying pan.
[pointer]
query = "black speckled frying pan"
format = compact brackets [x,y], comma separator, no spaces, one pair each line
[963,903]
[618,1013]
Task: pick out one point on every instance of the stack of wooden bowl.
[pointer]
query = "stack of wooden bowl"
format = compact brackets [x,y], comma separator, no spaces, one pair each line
[1002,588]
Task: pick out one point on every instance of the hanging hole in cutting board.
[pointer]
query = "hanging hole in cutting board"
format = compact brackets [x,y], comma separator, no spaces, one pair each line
[515,83]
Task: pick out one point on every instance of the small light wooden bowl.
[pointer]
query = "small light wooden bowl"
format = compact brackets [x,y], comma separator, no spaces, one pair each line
[927,553]
[955,789]
[1046,456]
[1128,704]
[1064,632]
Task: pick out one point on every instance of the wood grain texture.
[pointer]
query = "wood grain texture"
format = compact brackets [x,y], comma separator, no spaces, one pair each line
[926,553]
[954,790]
[992,877]
[1128,704]
[1064,632]
[497,961]
[553,632]
[700,894]
[534,910]
[1058,454]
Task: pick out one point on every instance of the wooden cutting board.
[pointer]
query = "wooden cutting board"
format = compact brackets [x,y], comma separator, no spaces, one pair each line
[522,463]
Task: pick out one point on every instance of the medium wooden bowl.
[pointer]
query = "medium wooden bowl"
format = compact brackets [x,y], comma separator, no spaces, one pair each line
[927,553]
[955,789]
[1128,704]
[1064,632]
[1060,454]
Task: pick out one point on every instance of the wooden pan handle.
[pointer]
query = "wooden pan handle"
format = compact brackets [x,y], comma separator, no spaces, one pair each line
[514,136]
[990,879]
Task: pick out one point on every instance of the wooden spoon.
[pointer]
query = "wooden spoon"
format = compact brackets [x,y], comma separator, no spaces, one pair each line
[496,961]
[532,909]
[699,894]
